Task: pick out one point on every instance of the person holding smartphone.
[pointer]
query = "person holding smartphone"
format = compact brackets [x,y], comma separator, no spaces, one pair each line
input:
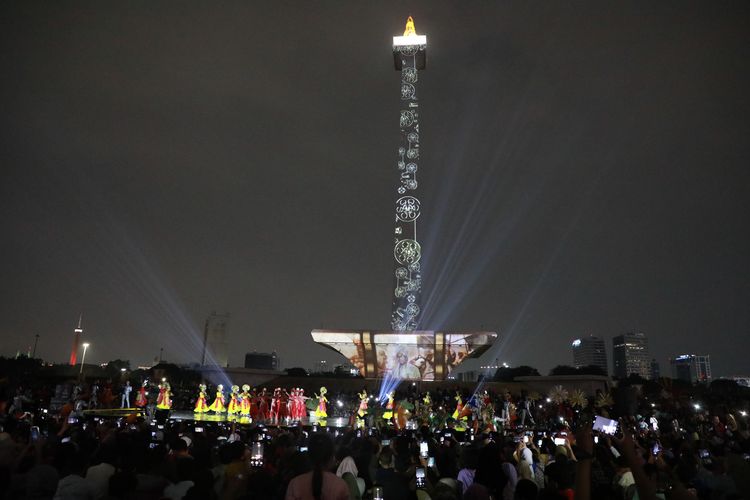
[525,460]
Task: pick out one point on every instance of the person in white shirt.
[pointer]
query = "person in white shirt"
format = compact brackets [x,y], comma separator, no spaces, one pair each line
[126,395]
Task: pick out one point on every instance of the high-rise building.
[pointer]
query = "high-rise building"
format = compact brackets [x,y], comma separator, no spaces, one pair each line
[215,340]
[590,351]
[655,370]
[262,360]
[77,332]
[691,368]
[630,355]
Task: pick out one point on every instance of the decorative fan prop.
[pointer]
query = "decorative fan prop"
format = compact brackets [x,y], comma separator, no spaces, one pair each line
[604,400]
[558,394]
[579,399]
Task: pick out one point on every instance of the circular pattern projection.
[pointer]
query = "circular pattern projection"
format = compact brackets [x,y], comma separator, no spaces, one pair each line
[407,209]
[407,252]
[407,91]
[409,75]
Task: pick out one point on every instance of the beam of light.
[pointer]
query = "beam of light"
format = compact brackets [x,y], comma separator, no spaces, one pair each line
[132,282]
[491,214]
[388,384]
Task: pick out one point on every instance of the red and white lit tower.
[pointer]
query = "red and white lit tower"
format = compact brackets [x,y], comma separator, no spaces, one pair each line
[76,342]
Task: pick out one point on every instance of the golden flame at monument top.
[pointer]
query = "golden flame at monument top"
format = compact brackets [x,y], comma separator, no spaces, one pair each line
[410,37]
[409,30]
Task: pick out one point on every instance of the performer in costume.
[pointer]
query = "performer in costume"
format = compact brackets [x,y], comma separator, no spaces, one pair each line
[164,400]
[320,412]
[459,406]
[275,404]
[301,404]
[291,404]
[233,407]
[245,400]
[263,406]
[388,414]
[140,399]
[362,404]
[283,405]
[201,406]
[125,402]
[254,403]
[218,405]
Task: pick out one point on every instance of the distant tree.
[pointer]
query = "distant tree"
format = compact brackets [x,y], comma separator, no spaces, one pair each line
[563,370]
[524,371]
[296,372]
[633,379]
[114,367]
[507,374]
[591,370]
[724,388]
[20,369]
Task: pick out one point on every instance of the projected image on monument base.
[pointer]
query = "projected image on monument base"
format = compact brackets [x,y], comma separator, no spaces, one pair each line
[419,355]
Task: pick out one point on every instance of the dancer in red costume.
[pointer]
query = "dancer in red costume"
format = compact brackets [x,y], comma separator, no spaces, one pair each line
[254,404]
[291,405]
[283,413]
[275,405]
[141,400]
[263,410]
[302,405]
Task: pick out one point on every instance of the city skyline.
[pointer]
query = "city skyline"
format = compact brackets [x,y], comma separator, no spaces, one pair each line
[160,165]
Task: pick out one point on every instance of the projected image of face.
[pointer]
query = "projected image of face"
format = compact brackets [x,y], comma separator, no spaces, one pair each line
[406,357]
[404,369]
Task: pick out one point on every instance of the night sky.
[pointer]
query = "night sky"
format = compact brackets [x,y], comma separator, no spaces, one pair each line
[584,171]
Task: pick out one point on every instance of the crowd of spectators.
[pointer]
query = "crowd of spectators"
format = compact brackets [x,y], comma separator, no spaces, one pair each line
[701,453]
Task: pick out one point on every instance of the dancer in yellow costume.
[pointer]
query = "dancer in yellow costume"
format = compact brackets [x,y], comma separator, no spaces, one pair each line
[362,404]
[201,406]
[459,406]
[320,411]
[245,401]
[218,404]
[164,400]
[233,408]
[388,414]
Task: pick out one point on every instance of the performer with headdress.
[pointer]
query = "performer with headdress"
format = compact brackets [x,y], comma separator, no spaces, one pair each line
[164,400]
[388,414]
[263,406]
[321,412]
[301,404]
[283,405]
[275,404]
[218,405]
[362,411]
[254,403]
[233,408]
[459,406]
[140,399]
[201,406]
[245,401]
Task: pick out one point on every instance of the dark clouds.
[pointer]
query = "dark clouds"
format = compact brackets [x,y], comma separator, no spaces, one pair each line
[584,171]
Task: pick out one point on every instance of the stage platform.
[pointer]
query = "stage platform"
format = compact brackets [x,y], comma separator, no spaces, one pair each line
[189,416]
